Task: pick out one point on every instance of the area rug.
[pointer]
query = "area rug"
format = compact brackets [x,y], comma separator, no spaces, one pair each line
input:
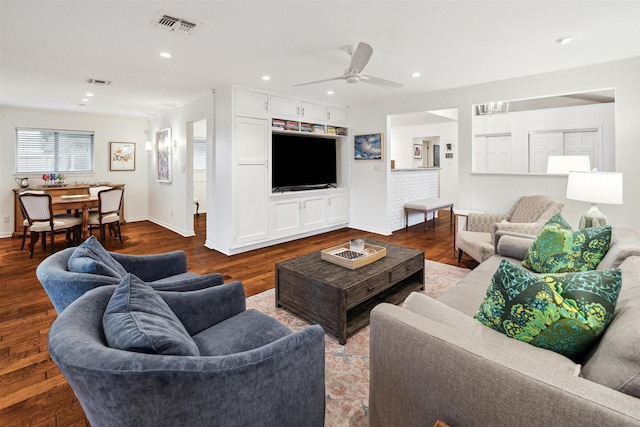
[347,366]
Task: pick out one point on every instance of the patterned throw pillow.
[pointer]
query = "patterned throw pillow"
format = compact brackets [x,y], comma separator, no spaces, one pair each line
[559,249]
[563,312]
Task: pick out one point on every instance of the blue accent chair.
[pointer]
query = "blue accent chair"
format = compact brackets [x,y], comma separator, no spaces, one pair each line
[252,370]
[167,271]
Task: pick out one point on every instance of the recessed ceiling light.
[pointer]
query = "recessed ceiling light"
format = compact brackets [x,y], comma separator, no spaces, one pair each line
[416,74]
[329,92]
[85,99]
[88,94]
[266,78]
[165,54]
[564,40]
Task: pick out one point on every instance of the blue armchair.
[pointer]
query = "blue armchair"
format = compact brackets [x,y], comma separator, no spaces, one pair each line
[251,371]
[167,271]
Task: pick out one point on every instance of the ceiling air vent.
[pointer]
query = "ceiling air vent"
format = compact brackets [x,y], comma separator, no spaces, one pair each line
[98,82]
[173,24]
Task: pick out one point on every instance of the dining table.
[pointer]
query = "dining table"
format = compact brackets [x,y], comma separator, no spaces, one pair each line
[77,202]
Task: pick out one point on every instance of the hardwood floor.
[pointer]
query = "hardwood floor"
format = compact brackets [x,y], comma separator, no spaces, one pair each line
[33,392]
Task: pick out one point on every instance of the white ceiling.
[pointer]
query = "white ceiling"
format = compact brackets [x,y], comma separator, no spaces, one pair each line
[50,48]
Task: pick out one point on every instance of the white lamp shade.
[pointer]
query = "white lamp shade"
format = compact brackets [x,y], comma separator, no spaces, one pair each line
[595,187]
[566,164]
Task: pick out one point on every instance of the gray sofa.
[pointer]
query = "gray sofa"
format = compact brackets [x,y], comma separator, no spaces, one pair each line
[430,360]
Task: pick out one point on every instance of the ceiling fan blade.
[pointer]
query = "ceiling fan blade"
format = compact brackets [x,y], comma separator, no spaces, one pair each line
[321,81]
[361,57]
[379,81]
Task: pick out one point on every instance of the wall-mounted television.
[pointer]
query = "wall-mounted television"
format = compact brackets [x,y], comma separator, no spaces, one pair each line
[302,162]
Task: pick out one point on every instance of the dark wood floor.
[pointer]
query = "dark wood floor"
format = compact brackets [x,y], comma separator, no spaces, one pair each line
[33,392]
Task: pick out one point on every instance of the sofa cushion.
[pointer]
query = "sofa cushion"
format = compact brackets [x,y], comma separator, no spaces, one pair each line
[138,319]
[91,257]
[614,362]
[557,249]
[563,312]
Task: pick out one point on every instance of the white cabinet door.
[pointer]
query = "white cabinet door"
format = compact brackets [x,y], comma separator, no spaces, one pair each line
[311,111]
[284,107]
[246,100]
[251,180]
[285,216]
[338,208]
[313,212]
[337,115]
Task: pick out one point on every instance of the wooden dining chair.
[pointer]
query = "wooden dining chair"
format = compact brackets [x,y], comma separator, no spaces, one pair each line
[37,209]
[108,213]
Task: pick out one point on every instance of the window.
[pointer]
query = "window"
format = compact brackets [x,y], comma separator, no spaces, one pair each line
[199,154]
[50,150]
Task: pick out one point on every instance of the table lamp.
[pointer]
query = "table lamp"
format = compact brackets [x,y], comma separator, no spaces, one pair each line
[596,188]
[565,164]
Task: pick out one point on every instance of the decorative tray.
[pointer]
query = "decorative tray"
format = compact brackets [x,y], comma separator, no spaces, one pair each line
[345,257]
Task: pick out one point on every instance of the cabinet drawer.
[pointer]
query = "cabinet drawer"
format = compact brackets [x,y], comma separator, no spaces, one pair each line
[367,289]
[406,269]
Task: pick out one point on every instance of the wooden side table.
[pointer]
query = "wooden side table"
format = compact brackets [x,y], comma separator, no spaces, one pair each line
[458,213]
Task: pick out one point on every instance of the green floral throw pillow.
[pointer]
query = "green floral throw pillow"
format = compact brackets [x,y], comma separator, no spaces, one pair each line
[558,249]
[563,312]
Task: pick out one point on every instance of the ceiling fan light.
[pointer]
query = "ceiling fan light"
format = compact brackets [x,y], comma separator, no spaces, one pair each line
[353,79]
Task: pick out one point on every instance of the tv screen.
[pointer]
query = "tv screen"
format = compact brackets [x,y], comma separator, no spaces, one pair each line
[301,162]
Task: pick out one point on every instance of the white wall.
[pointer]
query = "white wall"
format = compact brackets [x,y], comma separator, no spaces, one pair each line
[106,128]
[171,203]
[496,193]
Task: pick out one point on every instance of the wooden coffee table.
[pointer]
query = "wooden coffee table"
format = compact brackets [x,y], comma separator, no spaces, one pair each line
[340,299]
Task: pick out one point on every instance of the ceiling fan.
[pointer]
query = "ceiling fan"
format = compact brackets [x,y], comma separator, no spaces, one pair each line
[359,58]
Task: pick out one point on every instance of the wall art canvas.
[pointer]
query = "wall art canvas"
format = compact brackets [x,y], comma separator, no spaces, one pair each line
[417,151]
[368,147]
[122,156]
[163,151]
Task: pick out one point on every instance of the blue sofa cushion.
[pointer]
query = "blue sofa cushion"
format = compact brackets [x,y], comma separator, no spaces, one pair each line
[91,257]
[138,319]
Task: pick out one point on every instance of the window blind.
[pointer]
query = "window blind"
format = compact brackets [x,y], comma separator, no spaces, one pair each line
[51,150]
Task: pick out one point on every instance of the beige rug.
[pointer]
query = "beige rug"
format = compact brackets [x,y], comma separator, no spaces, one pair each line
[347,366]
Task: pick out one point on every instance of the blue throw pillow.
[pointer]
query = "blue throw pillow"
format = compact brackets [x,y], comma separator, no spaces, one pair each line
[138,319]
[91,257]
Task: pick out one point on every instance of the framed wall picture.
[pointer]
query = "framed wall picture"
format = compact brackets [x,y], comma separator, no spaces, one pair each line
[417,151]
[163,154]
[122,156]
[368,147]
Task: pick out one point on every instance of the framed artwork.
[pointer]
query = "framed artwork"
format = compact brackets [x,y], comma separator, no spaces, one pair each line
[163,152]
[122,156]
[417,151]
[368,147]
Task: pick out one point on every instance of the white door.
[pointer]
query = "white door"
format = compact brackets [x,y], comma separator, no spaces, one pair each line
[499,154]
[312,209]
[338,208]
[284,107]
[583,143]
[313,111]
[541,146]
[286,216]
[251,180]
[479,157]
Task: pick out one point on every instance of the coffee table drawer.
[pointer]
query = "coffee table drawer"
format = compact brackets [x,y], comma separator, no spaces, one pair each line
[406,269]
[367,289]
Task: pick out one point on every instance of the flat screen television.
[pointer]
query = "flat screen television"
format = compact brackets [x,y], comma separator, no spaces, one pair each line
[302,162]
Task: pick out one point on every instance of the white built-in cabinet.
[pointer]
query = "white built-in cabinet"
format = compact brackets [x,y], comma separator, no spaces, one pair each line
[299,212]
[248,215]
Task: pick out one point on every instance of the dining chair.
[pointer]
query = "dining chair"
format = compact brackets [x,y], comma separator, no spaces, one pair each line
[37,209]
[108,213]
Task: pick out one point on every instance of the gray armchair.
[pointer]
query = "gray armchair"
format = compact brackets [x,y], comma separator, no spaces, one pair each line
[526,216]
[252,370]
[167,271]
